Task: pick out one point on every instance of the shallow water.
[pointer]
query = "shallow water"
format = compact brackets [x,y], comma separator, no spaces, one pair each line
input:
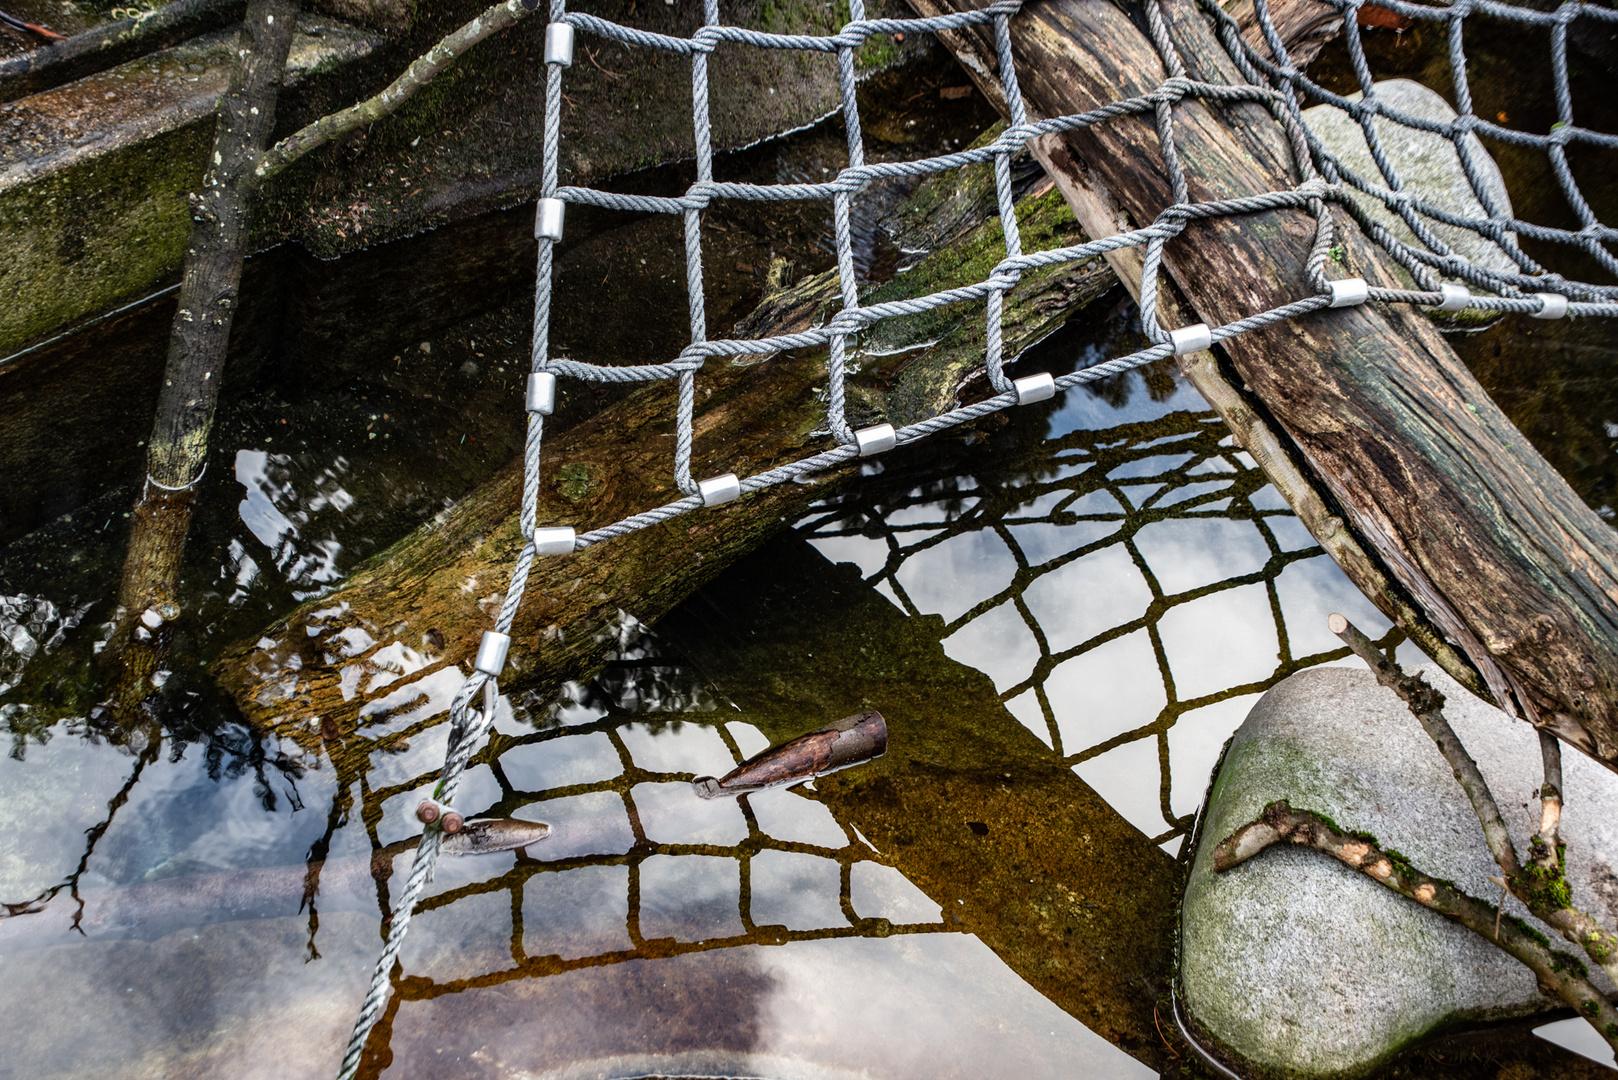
[1062,614]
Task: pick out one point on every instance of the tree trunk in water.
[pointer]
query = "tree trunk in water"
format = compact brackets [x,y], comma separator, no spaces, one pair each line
[392,642]
[1471,523]
[178,450]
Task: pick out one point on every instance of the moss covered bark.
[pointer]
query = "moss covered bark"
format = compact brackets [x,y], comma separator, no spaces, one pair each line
[381,644]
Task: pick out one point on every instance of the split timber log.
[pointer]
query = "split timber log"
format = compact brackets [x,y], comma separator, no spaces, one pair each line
[366,652]
[1476,531]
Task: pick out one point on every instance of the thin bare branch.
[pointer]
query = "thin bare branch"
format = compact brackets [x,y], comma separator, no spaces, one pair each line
[1550,799]
[1559,972]
[1427,704]
[421,71]
[1542,884]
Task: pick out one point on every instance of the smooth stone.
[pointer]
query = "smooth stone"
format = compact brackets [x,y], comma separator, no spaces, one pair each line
[1302,968]
[1427,165]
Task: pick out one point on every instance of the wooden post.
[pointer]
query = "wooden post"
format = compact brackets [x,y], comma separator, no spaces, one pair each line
[178,448]
[1476,530]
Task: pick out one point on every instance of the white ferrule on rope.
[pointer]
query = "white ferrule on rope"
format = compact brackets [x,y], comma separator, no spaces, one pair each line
[541,393]
[1553,306]
[554,540]
[1456,297]
[1190,339]
[548,216]
[878,439]
[492,652]
[720,489]
[1349,292]
[1032,388]
[559,44]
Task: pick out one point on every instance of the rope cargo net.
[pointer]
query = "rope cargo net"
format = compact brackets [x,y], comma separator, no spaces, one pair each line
[1271,81]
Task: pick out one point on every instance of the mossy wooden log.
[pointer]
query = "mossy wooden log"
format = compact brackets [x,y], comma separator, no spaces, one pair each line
[370,649]
[1480,532]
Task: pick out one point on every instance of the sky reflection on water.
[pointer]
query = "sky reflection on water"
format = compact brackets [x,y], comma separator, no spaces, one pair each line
[1127,589]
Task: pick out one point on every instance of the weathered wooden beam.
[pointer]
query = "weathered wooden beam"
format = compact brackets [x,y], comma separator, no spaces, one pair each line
[1300,24]
[1478,529]
[363,653]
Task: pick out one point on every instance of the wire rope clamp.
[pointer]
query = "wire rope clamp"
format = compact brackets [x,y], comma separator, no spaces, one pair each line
[559,44]
[554,540]
[1349,292]
[1456,297]
[1554,306]
[548,217]
[492,652]
[1190,339]
[719,489]
[878,439]
[542,393]
[1034,388]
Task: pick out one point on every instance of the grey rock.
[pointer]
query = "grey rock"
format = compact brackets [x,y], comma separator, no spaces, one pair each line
[1427,165]
[1303,968]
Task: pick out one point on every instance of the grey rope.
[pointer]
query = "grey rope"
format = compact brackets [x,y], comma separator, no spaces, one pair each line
[1269,80]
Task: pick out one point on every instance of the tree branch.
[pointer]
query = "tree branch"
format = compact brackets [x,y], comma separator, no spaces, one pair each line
[113,43]
[421,71]
[1559,973]
[1541,884]
[1550,801]
[1427,704]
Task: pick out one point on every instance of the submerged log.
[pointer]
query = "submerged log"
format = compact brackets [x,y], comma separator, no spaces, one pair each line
[968,804]
[1475,529]
[406,625]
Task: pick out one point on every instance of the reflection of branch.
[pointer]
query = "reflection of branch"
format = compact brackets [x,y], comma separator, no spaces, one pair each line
[1561,972]
[94,833]
[112,43]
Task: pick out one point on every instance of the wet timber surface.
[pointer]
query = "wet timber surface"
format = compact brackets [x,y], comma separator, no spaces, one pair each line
[1062,614]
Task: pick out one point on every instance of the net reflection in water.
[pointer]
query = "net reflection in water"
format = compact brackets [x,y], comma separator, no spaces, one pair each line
[1130,590]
